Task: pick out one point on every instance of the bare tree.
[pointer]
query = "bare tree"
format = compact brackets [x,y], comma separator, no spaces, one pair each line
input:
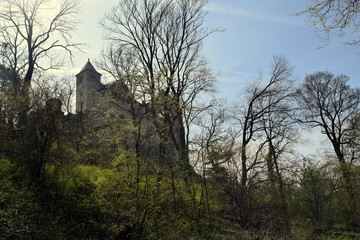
[166,37]
[328,102]
[46,86]
[280,135]
[31,33]
[263,101]
[212,150]
[334,16]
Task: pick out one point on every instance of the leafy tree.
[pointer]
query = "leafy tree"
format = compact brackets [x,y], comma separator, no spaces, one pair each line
[317,191]
[328,102]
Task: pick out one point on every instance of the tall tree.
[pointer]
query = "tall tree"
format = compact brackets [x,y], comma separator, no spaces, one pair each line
[31,34]
[264,100]
[166,37]
[280,135]
[328,102]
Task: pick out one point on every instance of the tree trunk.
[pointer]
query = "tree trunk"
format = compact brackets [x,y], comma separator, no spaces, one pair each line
[244,207]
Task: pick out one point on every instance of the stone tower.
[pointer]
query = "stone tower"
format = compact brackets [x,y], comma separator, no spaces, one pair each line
[88,83]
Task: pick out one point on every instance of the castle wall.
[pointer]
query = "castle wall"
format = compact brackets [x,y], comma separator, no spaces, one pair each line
[87,85]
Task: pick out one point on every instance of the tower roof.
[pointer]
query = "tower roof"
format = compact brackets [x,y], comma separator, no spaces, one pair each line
[88,67]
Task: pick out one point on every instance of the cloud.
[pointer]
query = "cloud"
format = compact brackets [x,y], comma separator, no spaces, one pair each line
[242,73]
[64,71]
[92,52]
[245,13]
[236,77]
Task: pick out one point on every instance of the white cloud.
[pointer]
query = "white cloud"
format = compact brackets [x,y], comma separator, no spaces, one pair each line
[245,13]
[243,73]
[92,52]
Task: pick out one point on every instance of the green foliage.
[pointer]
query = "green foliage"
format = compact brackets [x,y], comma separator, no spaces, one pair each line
[96,192]
[21,213]
[136,199]
[337,235]
[131,197]
[150,202]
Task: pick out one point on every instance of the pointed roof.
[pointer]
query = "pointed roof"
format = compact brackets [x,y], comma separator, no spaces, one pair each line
[88,67]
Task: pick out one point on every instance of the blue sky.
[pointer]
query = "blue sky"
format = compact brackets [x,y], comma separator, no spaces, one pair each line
[258,30]
[255,31]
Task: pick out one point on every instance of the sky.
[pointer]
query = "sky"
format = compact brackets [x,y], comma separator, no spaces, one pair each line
[258,30]
[254,32]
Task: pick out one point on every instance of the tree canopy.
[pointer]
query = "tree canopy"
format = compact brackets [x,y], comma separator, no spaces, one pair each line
[338,17]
